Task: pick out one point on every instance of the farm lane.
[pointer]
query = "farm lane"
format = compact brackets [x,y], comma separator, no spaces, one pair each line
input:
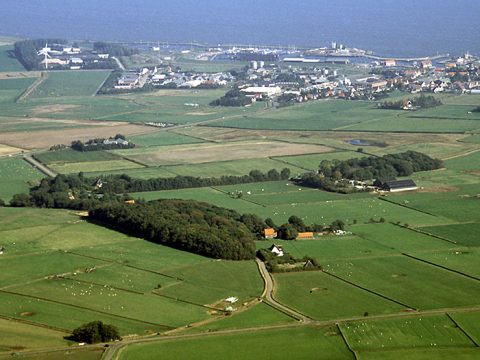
[269,290]
[36,164]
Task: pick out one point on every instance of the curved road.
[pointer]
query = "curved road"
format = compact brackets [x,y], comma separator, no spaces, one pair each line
[268,292]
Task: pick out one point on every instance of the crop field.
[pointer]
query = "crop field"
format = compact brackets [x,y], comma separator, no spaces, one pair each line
[234,167]
[71,156]
[163,138]
[84,166]
[16,176]
[7,62]
[300,343]
[10,89]
[411,332]
[202,153]
[70,83]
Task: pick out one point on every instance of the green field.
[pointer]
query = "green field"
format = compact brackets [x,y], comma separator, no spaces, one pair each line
[412,332]
[99,166]
[11,89]
[16,176]
[7,61]
[70,83]
[323,297]
[59,264]
[403,279]
[301,343]
[163,138]
[71,156]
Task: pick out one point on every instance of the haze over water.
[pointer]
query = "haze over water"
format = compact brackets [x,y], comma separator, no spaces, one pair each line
[388,27]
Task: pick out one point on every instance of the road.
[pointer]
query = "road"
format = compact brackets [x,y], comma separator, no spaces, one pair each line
[119,63]
[47,171]
[268,293]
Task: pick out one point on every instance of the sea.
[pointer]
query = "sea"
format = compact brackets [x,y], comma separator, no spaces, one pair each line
[400,28]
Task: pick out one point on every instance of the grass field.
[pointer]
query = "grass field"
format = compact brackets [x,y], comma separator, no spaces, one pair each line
[70,83]
[258,315]
[163,138]
[71,156]
[462,234]
[99,166]
[7,62]
[411,282]
[16,176]
[60,264]
[302,343]
[11,89]
[413,332]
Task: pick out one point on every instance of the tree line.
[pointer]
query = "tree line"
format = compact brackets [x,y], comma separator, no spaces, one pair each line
[421,102]
[75,191]
[389,166]
[102,47]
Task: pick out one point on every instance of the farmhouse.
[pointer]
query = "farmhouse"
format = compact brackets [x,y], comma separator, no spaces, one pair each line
[276,249]
[2,250]
[397,185]
[269,233]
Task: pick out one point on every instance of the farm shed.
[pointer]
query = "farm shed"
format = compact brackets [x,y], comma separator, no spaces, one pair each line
[399,185]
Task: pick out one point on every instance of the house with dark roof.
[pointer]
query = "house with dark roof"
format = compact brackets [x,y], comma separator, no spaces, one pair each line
[397,185]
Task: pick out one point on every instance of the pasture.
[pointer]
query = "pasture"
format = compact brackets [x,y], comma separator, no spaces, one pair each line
[70,83]
[59,264]
[11,89]
[16,176]
[300,343]
[404,333]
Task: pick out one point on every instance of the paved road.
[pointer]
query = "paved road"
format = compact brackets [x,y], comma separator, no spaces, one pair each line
[268,293]
[47,171]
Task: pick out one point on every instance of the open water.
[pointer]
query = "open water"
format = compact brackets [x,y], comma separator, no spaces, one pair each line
[388,27]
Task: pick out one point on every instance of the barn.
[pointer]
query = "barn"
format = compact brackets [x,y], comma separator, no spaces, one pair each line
[399,185]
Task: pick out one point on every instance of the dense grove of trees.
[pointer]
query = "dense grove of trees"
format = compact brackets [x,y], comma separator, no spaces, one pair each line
[98,144]
[102,47]
[78,192]
[420,102]
[367,168]
[95,332]
[192,226]
[234,97]
[277,264]
[26,51]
